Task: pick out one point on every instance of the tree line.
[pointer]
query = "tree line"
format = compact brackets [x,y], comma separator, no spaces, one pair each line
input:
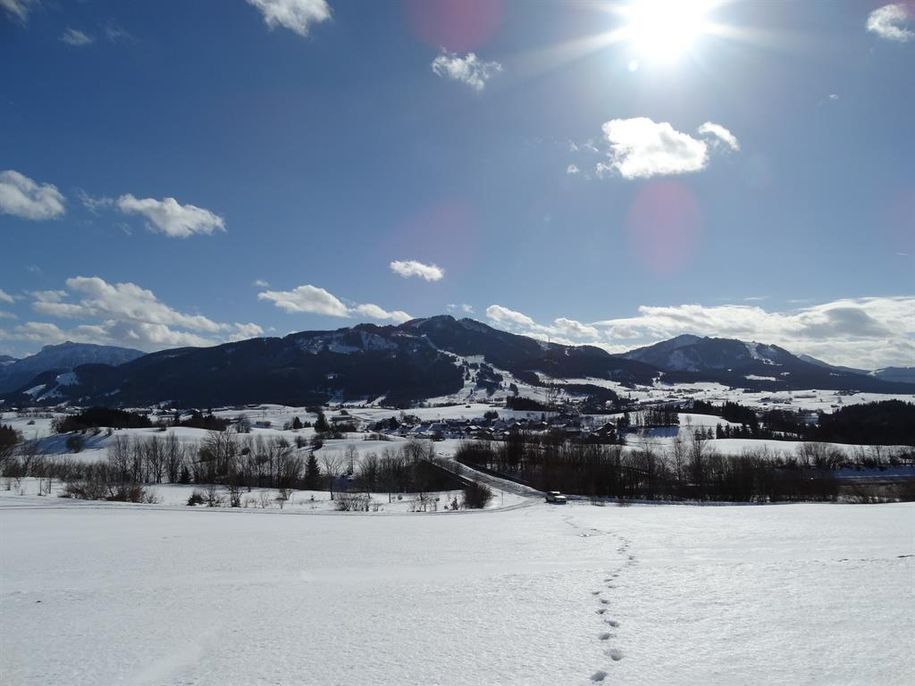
[691,469]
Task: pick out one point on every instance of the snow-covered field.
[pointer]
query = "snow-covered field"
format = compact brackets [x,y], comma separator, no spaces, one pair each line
[94,593]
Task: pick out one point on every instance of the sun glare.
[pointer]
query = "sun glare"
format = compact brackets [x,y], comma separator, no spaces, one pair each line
[663,30]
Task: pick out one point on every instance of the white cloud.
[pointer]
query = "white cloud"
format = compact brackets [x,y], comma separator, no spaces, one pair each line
[170,217]
[376,312]
[575,329]
[121,314]
[6,297]
[720,133]
[866,333]
[408,268]
[468,69]
[76,38]
[641,148]
[295,15]
[890,22]
[260,283]
[857,332]
[315,300]
[22,197]
[307,298]
[562,330]
[18,9]
[572,169]
[504,315]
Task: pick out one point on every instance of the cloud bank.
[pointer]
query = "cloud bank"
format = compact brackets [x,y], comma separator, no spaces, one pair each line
[866,333]
[121,314]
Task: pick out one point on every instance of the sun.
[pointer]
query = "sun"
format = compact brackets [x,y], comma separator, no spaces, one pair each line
[664,30]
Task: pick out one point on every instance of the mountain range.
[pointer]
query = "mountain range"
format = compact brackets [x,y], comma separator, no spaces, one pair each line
[63,357]
[435,358]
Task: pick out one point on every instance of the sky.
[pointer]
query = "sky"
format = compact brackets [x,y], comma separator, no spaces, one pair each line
[609,173]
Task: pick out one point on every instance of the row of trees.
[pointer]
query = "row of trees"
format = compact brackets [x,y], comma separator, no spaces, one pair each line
[691,469]
[887,422]
[238,462]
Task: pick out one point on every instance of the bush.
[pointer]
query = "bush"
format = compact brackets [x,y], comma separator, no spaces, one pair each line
[353,502]
[98,485]
[75,443]
[477,496]
[196,498]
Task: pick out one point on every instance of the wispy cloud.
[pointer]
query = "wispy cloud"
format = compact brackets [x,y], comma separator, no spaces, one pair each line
[6,297]
[22,197]
[76,38]
[890,22]
[719,133]
[295,15]
[468,69]
[18,9]
[315,300]
[408,268]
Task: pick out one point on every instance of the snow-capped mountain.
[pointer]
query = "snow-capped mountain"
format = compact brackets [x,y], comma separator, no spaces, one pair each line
[751,364]
[688,353]
[60,358]
[439,358]
[421,359]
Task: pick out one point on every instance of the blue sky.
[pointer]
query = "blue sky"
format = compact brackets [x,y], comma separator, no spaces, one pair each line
[179,173]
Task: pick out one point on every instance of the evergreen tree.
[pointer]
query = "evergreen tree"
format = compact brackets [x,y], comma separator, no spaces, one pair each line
[312,474]
[321,426]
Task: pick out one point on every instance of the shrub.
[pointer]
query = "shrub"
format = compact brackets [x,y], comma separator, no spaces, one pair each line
[196,498]
[477,496]
[353,502]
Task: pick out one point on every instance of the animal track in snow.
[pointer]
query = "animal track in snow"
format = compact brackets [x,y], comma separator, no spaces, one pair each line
[601,610]
[615,654]
[599,675]
[604,636]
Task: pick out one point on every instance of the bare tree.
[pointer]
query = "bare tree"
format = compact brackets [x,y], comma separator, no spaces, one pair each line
[332,464]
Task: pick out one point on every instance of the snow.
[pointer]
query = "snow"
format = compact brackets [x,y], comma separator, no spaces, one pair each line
[67,379]
[121,594]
